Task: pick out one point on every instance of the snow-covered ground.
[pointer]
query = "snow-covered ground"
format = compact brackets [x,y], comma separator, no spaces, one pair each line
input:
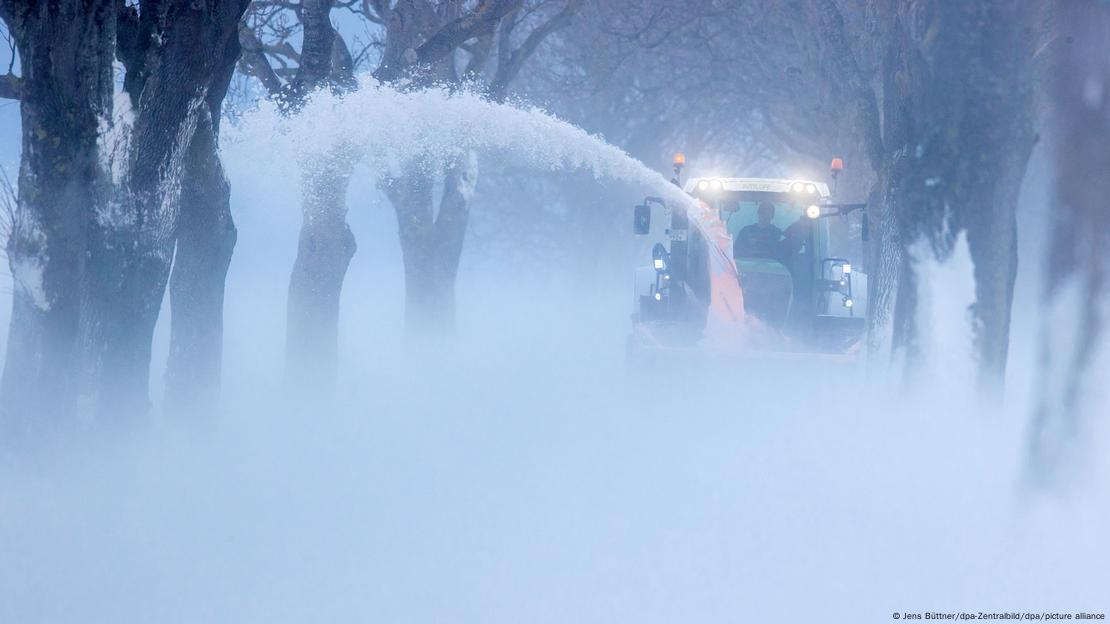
[521,476]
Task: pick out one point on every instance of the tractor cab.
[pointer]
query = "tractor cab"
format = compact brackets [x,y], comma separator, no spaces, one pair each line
[770,238]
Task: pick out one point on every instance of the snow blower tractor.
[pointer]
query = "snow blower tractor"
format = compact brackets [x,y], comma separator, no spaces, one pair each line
[746,267]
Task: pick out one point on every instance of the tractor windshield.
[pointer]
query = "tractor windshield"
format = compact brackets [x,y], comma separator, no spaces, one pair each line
[772,239]
[746,212]
[770,226]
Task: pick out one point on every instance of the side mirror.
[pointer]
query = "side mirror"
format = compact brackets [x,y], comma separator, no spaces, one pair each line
[641,220]
[864,228]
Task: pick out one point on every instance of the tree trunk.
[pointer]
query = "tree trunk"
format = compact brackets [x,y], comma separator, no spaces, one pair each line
[128,275]
[885,256]
[135,240]
[991,223]
[959,134]
[996,139]
[316,50]
[412,199]
[431,244]
[324,252]
[205,240]
[326,243]
[66,57]
[885,261]
[1073,327]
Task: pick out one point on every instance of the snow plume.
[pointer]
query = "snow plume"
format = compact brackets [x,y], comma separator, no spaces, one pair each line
[945,294]
[526,474]
[390,129]
[467,165]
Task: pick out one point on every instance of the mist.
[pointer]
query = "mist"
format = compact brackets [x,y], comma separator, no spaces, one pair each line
[519,462]
[521,473]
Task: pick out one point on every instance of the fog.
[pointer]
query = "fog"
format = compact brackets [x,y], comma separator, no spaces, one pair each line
[524,473]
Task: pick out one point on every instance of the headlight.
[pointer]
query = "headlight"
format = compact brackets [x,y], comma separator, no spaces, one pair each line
[811,188]
[702,185]
[847,269]
[715,185]
[813,211]
[847,302]
[797,187]
[658,296]
[659,258]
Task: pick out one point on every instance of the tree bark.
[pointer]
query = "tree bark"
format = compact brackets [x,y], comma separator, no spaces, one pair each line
[316,52]
[958,137]
[66,56]
[991,223]
[131,259]
[886,249]
[206,238]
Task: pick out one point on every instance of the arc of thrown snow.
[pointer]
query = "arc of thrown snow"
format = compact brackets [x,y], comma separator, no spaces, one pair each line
[385,128]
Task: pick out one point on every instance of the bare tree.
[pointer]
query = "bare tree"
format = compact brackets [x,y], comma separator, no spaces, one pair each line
[173,53]
[958,131]
[421,42]
[91,248]
[65,90]
[459,44]
[1079,252]
[326,243]
[932,99]
[206,238]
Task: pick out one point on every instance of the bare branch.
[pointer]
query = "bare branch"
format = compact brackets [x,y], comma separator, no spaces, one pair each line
[253,61]
[7,36]
[481,20]
[508,70]
[479,56]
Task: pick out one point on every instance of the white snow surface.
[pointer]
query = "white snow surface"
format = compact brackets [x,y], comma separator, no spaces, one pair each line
[115,138]
[27,277]
[946,291]
[522,473]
